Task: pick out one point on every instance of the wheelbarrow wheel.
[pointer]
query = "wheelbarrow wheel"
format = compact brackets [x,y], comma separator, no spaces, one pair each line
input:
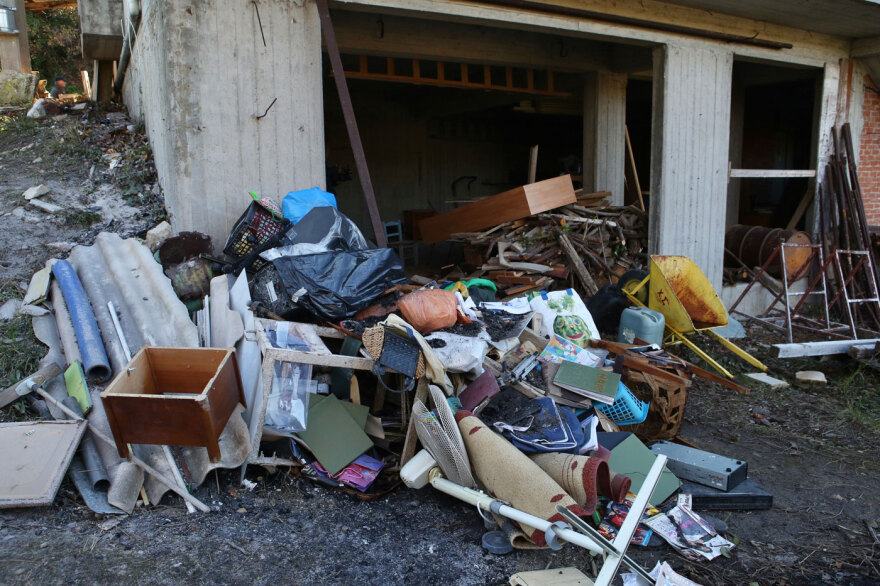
[629,280]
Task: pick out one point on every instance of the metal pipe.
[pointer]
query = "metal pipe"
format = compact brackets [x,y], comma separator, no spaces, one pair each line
[88,337]
[635,22]
[490,505]
[134,13]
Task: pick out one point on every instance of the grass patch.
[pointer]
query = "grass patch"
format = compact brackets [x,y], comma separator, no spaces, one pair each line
[19,124]
[83,218]
[20,352]
[858,395]
[9,290]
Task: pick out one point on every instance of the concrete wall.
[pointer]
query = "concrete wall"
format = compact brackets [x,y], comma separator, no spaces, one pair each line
[690,138]
[199,77]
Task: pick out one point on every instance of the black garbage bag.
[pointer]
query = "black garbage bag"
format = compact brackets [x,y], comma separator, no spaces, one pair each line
[329,229]
[606,306]
[336,285]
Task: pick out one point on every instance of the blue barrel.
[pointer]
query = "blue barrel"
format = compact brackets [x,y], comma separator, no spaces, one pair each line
[641,322]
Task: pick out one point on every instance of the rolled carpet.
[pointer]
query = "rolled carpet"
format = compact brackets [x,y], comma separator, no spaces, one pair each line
[511,476]
[583,477]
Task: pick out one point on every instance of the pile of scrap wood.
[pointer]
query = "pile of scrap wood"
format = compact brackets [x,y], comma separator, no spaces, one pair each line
[583,246]
[545,234]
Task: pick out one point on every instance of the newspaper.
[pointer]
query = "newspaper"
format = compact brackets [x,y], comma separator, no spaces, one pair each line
[689,534]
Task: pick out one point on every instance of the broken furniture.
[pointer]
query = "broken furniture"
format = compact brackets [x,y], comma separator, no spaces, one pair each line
[175,397]
[300,344]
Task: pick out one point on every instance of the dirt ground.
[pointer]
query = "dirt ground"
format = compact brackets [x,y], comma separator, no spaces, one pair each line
[814,447]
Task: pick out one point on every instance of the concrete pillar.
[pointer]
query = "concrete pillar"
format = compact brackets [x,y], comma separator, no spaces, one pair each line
[604,127]
[690,144]
[14,49]
[238,114]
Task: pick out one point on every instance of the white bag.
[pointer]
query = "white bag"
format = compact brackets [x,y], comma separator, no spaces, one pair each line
[563,313]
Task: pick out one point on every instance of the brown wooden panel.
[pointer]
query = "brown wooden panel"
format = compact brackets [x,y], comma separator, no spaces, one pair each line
[194,418]
[517,203]
[177,371]
[137,377]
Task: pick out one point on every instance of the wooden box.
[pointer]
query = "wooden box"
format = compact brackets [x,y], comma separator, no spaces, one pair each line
[174,396]
[515,204]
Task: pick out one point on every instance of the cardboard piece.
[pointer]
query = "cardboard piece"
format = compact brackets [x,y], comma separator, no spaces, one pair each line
[554,577]
[632,458]
[359,413]
[334,437]
[36,455]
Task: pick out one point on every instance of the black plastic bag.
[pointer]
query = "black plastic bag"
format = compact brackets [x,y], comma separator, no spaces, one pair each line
[606,306]
[328,229]
[336,285]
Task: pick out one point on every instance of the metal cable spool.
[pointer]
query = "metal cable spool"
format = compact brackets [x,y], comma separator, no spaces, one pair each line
[755,244]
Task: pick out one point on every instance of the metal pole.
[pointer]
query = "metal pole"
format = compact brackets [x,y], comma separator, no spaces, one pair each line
[354,135]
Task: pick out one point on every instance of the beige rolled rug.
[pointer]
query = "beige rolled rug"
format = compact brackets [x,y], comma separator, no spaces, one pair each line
[583,477]
[511,476]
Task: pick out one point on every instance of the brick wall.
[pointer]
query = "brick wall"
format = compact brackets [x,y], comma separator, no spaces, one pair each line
[869,154]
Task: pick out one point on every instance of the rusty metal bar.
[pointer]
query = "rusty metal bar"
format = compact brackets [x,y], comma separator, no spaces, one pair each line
[354,134]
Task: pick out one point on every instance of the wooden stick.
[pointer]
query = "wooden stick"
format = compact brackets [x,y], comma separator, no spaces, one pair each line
[577,264]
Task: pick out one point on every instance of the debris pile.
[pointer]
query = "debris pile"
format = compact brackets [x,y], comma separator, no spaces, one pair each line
[568,246]
[303,346]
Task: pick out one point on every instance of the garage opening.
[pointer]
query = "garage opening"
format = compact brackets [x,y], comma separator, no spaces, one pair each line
[442,134]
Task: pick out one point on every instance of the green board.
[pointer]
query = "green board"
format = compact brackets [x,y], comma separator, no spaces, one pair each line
[334,437]
[633,459]
[75,381]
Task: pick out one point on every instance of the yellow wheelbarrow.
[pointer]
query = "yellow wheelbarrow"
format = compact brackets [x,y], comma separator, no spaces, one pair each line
[682,293]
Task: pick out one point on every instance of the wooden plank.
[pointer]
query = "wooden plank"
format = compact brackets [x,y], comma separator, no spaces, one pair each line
[577,264]
[821,348]
[771,173]
[318,359]
[633,187]
[593,196]
[515,204]
[409,445]
[533,163]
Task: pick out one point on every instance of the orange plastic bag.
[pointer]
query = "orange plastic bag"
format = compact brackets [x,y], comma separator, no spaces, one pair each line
[429,309]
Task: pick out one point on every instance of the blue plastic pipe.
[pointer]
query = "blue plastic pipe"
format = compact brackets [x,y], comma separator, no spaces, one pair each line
[91,346]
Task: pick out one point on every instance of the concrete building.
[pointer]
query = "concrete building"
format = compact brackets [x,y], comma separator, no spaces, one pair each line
[14,50]
[450,95]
